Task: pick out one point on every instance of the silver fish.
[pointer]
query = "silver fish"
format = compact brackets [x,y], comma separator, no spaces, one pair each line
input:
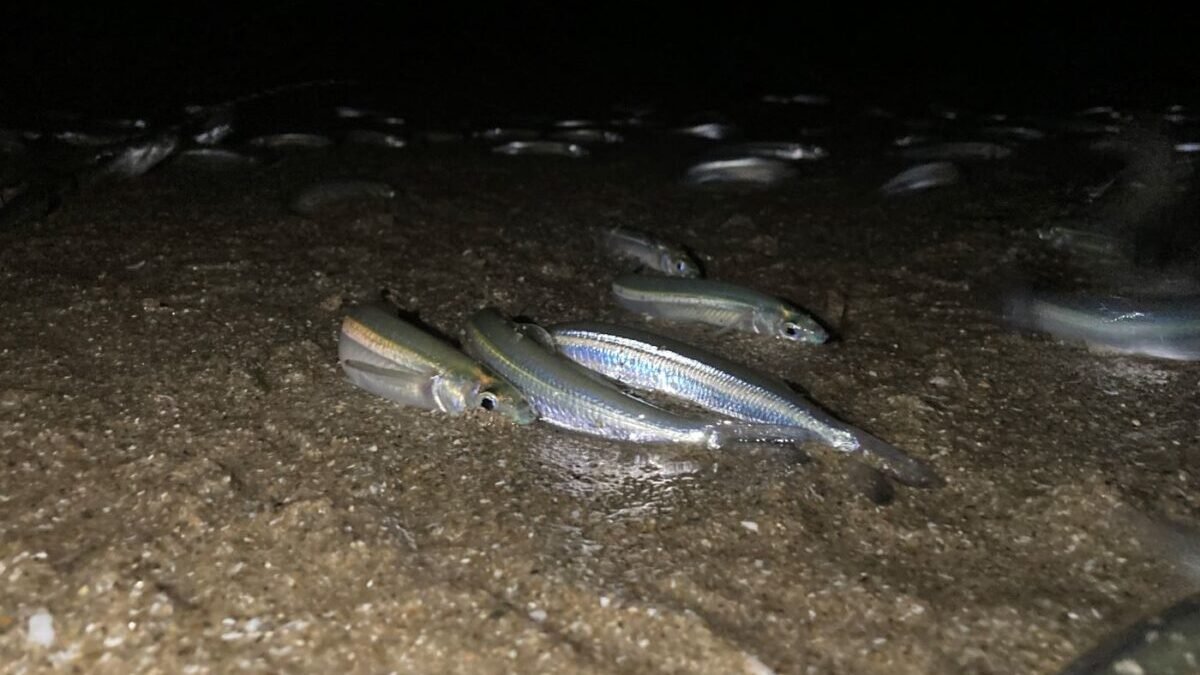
[651,362]
[507,134]
[588,135]
[1167,328]
[713,131]
[717,303]
[291,141]
[966,150]
[655,254]
[791,152]
[138,157]
[757,171]
[215,159]
[378,139]
[542,148]
[567,395]
[318,195]
[392,358]
[921,177]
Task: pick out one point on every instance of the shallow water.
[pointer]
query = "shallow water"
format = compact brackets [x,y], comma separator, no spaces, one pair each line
[190,485]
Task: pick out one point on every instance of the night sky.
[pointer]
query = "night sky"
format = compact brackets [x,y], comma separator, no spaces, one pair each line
[124,57]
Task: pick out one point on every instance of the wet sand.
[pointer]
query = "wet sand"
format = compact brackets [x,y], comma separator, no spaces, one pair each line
[189,485]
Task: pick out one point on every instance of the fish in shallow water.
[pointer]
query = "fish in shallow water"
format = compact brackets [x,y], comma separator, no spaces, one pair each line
[717,303]
[645,249]
[651,362]
[392,358]
[567,395]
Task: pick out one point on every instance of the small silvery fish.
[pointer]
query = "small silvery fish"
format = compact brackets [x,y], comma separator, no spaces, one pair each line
[569,396]
[291,141]
[713,131]
[378,139]
[716,303]
[757,171]
[1014,132]
[586,135]
[507,134]
[214,159]
[651,362]
[921,177]
[392,358]
[792,152]
[655,254]
[139,157]
[542,148]
[966,150]
[1166,328]
[318,195]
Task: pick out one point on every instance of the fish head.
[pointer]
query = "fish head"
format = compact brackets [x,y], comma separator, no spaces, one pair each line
[455,393]
[791,324]
[678,264]
[504,399]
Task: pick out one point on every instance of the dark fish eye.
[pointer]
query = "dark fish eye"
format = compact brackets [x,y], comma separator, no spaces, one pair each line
[791,330]
[488,402]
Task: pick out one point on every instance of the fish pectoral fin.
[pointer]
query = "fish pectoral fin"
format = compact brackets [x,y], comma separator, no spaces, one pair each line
[402,385]
[538,334]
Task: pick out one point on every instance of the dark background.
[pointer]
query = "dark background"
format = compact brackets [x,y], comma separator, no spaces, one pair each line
[127,57]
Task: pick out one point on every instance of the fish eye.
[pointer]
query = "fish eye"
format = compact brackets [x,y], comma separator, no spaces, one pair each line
[791,330]
[681,266]
[488,402]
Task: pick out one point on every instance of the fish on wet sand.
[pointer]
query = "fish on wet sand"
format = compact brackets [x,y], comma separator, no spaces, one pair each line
[735,171]
[316,196]
[555,148]
[567,395]
[922,177]
[650,362]
[1166,328]
[655,254]
[716,303]
[392,358]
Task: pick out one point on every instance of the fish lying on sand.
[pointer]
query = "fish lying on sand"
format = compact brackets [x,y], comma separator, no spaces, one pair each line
[392,358]
[567,395]
[645,249]
[651,362]
[717,303]
[318,195]
[1167,328]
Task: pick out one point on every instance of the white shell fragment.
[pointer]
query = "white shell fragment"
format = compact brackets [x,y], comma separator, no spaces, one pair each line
[740,170]
[41,629]
[922,177]
[542,148]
